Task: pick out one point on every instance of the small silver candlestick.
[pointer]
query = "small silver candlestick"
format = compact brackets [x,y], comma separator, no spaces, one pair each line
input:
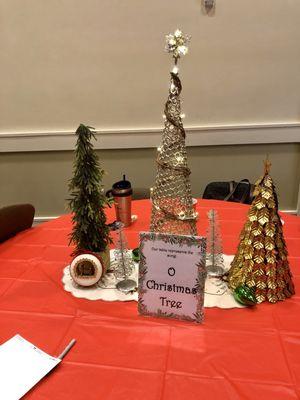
[214,255]
[127,286]
[123,264]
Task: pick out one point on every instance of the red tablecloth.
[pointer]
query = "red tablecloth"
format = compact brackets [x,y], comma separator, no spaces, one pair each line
[234,354]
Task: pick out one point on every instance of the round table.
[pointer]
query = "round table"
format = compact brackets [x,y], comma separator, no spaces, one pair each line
[234,354]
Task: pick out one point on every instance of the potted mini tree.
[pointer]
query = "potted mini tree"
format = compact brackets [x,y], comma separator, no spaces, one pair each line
[88,201]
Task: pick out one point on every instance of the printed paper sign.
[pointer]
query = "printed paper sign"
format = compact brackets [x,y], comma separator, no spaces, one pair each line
[172,276]
[22,365]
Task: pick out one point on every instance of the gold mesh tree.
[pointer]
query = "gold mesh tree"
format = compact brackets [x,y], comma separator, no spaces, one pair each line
[261,260]
[172,203]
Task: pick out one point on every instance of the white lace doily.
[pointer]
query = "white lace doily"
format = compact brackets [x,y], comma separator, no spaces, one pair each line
[216,292]
[103,290]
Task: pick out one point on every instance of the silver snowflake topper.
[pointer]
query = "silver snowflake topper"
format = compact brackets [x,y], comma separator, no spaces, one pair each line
[176,44]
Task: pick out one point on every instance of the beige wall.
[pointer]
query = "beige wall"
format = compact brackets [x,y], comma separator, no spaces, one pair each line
[102,62]
[41,177]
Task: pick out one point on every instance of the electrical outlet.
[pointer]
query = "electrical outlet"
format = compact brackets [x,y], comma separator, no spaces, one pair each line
[208,6]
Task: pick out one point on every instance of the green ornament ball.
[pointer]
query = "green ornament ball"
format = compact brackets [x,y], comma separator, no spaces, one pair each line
[136,254]
[245,295]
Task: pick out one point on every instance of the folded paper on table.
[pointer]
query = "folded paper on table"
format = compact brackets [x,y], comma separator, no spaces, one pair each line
[22,365]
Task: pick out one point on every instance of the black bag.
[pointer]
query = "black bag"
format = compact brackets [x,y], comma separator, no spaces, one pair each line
[238,192]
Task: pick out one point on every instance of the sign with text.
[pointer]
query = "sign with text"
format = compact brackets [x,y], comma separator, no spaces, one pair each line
[172,276]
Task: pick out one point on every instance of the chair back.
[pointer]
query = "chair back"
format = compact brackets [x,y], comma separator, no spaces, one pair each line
[14,219]
[140,193]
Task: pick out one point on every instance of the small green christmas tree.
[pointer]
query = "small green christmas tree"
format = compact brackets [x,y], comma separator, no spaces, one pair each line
[90,231]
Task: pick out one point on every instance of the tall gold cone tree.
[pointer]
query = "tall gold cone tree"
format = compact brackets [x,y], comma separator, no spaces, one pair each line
[172,203]
[261,259]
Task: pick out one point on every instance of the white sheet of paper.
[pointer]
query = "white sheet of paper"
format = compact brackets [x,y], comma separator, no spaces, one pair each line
[22,365]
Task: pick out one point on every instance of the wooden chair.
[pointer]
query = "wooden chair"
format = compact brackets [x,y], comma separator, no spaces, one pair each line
[14,219]
[140,193]
[298,205]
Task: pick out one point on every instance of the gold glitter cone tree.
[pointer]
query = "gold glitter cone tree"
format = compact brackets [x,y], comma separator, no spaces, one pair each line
[172,203]
[261,260]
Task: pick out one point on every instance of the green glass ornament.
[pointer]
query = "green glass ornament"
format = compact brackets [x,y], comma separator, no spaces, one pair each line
[136,254]
[245,295]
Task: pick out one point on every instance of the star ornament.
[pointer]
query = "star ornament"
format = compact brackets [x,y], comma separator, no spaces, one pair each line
[176,44]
